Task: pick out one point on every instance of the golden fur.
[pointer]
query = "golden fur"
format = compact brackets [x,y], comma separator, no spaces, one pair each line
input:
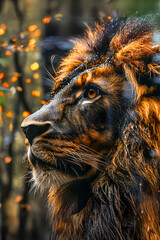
[96,146]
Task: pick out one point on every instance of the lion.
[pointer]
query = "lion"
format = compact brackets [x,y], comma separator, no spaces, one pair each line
[94,148]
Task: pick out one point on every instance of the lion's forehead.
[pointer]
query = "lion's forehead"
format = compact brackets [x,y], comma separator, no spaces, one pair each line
[82,79]
[94,75]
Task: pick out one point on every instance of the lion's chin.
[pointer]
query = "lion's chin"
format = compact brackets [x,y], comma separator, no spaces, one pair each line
[46,176]
[45,180]
[36,161]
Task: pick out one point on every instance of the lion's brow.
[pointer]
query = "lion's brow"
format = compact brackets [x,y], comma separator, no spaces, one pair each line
[84,67]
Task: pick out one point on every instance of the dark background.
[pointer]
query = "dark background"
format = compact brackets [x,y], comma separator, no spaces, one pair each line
[31,32]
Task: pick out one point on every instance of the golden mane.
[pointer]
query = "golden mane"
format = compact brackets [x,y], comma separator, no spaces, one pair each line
[135,157]
[98,140]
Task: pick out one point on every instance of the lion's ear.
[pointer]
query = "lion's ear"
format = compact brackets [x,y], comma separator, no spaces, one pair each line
[71,198]
[134,45]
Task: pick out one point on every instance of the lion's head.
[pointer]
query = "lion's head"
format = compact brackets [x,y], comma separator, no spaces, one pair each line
[95,146]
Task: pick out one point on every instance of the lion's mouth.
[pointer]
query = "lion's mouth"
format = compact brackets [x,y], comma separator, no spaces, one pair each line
[63,165]
[38,162]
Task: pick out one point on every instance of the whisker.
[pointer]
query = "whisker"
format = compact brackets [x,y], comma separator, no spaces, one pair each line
[75,171]
[49,74]
[48,79]
[73,157]
[55,160]
[52,59]
[79,157]
[63,164]
[27,175]
[88,149]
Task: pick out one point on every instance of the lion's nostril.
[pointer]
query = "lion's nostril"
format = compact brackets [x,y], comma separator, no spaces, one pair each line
[34,130]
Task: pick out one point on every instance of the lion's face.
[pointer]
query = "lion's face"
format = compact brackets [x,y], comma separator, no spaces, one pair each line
[103,78]
[82,118]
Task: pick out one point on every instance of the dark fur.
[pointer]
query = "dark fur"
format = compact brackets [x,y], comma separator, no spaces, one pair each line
[109,151]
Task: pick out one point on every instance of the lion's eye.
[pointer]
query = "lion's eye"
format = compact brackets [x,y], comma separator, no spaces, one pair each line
[91,93]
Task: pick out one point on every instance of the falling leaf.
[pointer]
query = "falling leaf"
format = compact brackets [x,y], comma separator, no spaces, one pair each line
[2,31]
[58,16]
[4,44]
[5,85]
[7,159]
[43,102]
[10,127]
[37,33]
[25,114]
[14,40]
[28,80]
[18,198]
[1,76]
[9,114]
[36,93]
[26,206]
[109,17]
[32,28]
[34,66]
[32,42]
[46,20]
[36,75]
[1,110]
[8,53]
[3,26]
[19,89]
[14,79]
[2,94]
[1,120]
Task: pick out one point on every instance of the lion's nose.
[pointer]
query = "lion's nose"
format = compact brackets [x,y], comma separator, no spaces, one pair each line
[33,130]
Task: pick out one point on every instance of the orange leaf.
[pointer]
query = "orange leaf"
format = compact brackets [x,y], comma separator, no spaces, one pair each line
[2,31]
[36,75]
[28,80]
[10,127]
[36,93]
[7,159]
[34,66]
[5,85]
[19,89]
[19,198]
[37,33]
[32,42]
[46,20]
[32,28]
[8,53]
[1,76]
[14,40]
[2,94]
[43,102]
[4,26]
[9,115]
[26,206]
[14,79]
[25,114]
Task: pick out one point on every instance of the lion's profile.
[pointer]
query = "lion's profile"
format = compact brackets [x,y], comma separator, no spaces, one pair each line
[95,147]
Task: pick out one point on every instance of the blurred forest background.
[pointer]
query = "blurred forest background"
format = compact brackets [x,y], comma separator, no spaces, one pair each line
[34,34]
